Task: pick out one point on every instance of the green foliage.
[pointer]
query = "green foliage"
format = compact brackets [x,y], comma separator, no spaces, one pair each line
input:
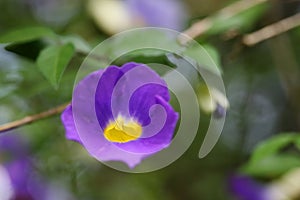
[77,41]
[240,21]
[205,56]
[26,34]
[155,44]
[143,56]
[53,61]
[132,41]
[297,142]
[185,67]
[27,49]
[269,160]
[254,113]
[272,166]
[272,146]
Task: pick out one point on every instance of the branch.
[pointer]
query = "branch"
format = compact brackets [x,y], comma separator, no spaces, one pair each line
[32,118]
[272,30]
[202,26]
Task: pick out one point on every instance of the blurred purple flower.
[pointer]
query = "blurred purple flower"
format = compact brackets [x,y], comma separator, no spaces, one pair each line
[24,184]
[159,13]
[13,146]
[19,172]
[121,114]
[13,150]
[56,13]
[245,188]
[285,188]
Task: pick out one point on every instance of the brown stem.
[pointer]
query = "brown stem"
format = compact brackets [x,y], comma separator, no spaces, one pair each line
[33,118]
[272,30]
[204,25]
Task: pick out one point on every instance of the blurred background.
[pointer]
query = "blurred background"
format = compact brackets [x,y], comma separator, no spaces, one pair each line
[259,146]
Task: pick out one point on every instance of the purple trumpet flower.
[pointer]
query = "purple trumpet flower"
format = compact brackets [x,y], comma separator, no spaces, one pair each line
[285,188]
[121,114]
[163,13]
[245,188]
[18,181]
[14,153]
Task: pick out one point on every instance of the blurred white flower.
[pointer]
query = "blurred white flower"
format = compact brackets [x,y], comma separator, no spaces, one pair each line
[114,16]
[6,188]
[286,188]
[212,100]
[110,15]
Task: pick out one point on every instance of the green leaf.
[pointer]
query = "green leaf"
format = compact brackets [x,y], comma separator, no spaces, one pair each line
[269,161]
[205,56]
[272,166]
[156,42]
[26,34]
[184,67]
[297,142]
[77,41]
[271,146]
[130,46]
[53,60]
[28,50]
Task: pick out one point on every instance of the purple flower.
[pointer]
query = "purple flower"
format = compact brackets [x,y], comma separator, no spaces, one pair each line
[245,188]
[13,150]
[19,171]
[18,176]
[163,13]
[121,114]
[13,146]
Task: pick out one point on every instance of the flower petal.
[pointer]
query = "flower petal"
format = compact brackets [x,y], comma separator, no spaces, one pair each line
[160,139]
[164,13]
[111,152]
[83,107]
[6,187]
[246,188]
[103,94]
[68,121]
[144,98]
[128,96]
[19,171]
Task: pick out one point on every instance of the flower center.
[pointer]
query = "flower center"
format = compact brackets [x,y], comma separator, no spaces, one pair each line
[122,131]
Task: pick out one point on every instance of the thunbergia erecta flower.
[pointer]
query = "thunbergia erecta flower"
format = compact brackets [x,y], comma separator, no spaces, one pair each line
[287,187]
[18,180]
[121,114]
[163,13]
[245,188]
[14,161]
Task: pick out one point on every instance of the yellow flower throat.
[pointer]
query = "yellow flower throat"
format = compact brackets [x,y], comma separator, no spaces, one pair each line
[122,131]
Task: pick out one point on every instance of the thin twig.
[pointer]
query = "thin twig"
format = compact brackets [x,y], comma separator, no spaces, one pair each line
[202,26]
[272,30]
[33,118]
